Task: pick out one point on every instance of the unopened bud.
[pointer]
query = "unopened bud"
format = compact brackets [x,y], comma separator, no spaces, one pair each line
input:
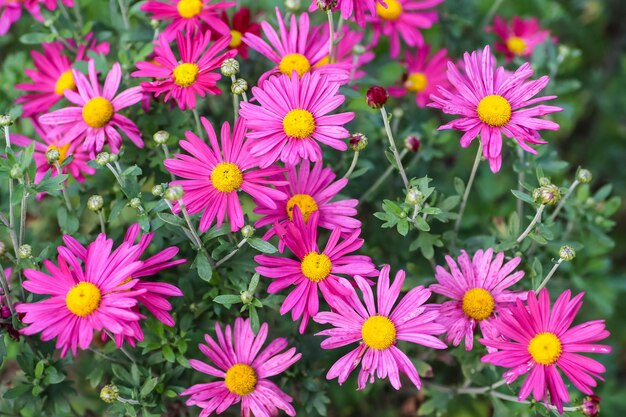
[376,97]
[103,158]
[95,203]
[246,297]
[414,197]
[326,5]
[230,67]
[412,143]
[358,142]
[5,312]
[109,393]
[550,194]
[292,5]
[359,49]
[544,181]
[161,137]
[591,406]
[240,86]
[584,176]
[154,24]
[24,251]
[247,231]
[53,156]
[5,120]
[567,253]
[174,193]
[157,190]
[135,203]
[16,172]
[113,157]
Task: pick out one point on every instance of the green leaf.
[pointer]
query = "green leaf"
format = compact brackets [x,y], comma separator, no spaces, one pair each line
[168,354]
[262,245]
[148,386]
[205,271]
[227,299]
[421,224]
[39,368]
[403,227]
[132,171]
[35,38]
[459,186]
[523,196]
[254,319]
[171,219]
[253,283]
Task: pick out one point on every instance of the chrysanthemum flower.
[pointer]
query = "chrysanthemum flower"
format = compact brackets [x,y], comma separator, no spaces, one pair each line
[314,269]
[243,369]
[190,76]
[377,327]
[423,75]
[292,117]
[492,103]
[479,293]
[344,52]
[520,37]
[312,191]
[356,8]
[84,298]
[403,18]
[296,49]
[97,116]
[214,175]
[240,24]
[189,16]
[10,12]
[541,342]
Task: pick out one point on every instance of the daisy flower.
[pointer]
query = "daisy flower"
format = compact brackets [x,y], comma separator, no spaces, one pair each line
[243,370]
[540,342]
[404,19]
[377,327]
[190,76]
[423,75]
[295,49]
[241,24]
[10,12]
[189,16]
[356,8]
[97,116]
[92,297]
[215,174]
[492,103]
[314,269]
[312,191]
[520,37]
[479,293]
[292,117]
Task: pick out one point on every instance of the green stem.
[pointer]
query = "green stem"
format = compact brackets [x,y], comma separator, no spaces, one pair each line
[124,12]
[468,187]
[196,117]
[331,31]
[78,14]
[63,189]
[166,151]
[196,239]
[7,137]
[5,289]
[520,180]
[103,227]
[569,192]
[230,255]
[511,398]
[122,348]
[355,158]
[23,208]
[547,278]
[394,150]
[370,191]
[119,179]
[532,224]
[492,11]
[12,233]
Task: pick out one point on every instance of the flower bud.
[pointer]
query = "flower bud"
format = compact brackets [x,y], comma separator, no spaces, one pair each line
[135,203]
[292,5]
[591,406]
[376,97]
[174,193]
[103,158]
[247,231]
[414,197]
[550,194]
[358,142]
[114,157]
[5,313]
[154,24]
[16,172]
[95,203]
[240,86]
[24,252]
[398,112]
[109,393]
[230,67]
[246,297]
[412,143]
[53,156]
[5,120]
[358,49]
[326,5]
[157,190]
[161,137]
[567,253]
[544,181]
[584,176]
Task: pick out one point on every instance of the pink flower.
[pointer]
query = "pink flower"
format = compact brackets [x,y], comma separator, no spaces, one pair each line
[356,8]
[92,297]
[10,12]
[190,16]
[312,191]
[296,49]
[520,38]
[190,76]
[403,18]
[377,328]
[292,117]
[314,269]
[243,370]
[479,293]
[492,103]
[540,342]
[242,23]
[97,116]
[344,52]
[423,75]
[214,175]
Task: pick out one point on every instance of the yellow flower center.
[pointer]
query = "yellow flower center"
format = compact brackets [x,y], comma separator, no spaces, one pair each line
[516,45]
[189,8]
[65,82]
[97,112]
[299,124]
[392,12]
[62,151]
[545,348]
[235,38]
[185,74]
[316,266]
[241,379]
[306,203]
[378,332]
[478,303]
[226,177]
[322,62]
[83,299]
[294,62]
[494,110]
[416,82]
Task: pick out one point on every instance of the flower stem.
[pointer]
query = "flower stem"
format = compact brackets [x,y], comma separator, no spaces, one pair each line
[63,189]
[78,14]
[481,390]
[370,191]
[230,255]
[355,158]
[122,348]
[520,180]
[5,289]
[532,224]
[569,192]
[103,228]
[12,233]
[331,34]
[468,187]
[124,12]
[547,278]
[116,174]
[166,152]
[511,398]
[492,11]
[7,137]
[196,238]
[394,150]
[196,117]
[23,208]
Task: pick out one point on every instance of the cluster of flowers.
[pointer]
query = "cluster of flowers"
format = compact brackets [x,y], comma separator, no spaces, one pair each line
[273,154]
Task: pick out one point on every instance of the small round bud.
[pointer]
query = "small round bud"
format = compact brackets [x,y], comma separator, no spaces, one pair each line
[161,137]
[412,143]
[109,393]
[5,313]
[591,406]
[358,142]
[326,5]
[292,5]
[53,156]
[398,112]
[154,24]
[5,120]
[174,193]
[550,194]
[584,176]
[157,190]
[24,252]
[567,253]
[359,49]
[537,195]
[246,297]
[103,158]
[16,172]
[247,231]
[113,157]
[135,203]
[414,197]
[544,181]
[376,97]
[240,86]
[2,248]
[95,203]
[230,67]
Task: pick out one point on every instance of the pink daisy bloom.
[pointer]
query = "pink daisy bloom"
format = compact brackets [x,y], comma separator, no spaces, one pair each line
[492,103]
[190,76]
[314,269]
[10,12]
[240,24]
[520,37]
[243,369]
[377,327]
[93,297]
[296,49]
[292,117]
[312,191]
[215,174]
[403,18]
[96,118]
[423,75]
[541,342]
[356,8]
[479,293]
[190,16]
